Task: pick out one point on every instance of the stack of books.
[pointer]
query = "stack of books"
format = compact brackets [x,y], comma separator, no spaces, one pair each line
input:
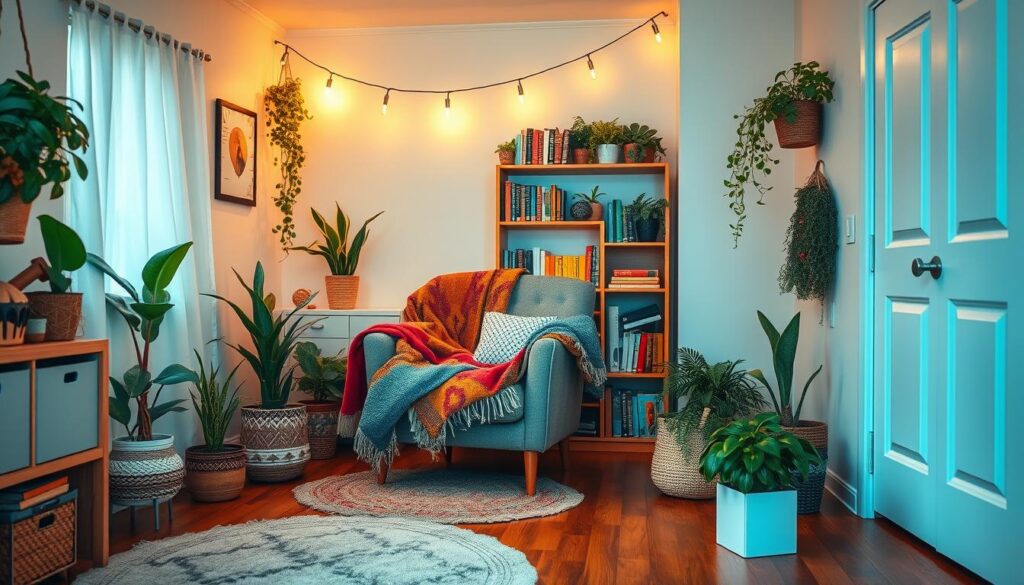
[633,278]
[534,203]
[549,146]
[635,414]
[543,263]
[28,494]
[635,341]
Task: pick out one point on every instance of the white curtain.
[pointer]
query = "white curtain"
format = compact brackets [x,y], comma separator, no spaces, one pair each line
[148,189]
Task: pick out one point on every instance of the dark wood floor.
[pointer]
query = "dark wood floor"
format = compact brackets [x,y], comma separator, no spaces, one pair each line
[625,532]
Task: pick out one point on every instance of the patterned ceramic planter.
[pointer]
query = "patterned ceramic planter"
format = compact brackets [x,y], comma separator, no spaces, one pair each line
[143,471]
[276,442]
[322,420]
[215,476]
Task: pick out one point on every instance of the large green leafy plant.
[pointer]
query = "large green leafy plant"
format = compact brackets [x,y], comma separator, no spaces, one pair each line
[756,455]
[143,314]
[273,339]
[64,251]
[215,403]
[286,111]
[784,347]
[341,256]
[323,377]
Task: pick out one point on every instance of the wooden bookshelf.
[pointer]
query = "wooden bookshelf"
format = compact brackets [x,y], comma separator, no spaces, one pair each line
[628,179]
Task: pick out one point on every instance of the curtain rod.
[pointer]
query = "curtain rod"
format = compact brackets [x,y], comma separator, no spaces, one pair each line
[119,18]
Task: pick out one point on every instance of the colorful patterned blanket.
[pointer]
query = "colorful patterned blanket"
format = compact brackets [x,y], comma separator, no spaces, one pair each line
[433,378]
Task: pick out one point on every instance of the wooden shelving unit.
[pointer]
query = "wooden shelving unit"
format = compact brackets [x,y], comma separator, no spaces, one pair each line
[652,178]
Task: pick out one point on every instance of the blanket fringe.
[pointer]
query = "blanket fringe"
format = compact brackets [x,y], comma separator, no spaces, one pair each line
[366,451]
[482,412]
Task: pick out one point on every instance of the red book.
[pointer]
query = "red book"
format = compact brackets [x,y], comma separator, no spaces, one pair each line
[558,147]
[640,365]
[590,257]
[508,201]
[538,146]
[634,273]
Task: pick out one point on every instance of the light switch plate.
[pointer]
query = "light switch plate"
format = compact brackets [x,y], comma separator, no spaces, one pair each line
[851,229]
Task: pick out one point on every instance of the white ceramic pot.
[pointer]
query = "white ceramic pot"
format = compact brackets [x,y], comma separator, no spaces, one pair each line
[756,525]
[143,471]
[608,153]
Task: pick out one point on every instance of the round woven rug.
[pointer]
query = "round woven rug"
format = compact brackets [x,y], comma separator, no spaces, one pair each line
[320,550]
[449,496]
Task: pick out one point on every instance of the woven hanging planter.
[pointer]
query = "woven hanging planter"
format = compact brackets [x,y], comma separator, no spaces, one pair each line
[62,311]
[811,240]
[341,291]
[805,130]
[14,219]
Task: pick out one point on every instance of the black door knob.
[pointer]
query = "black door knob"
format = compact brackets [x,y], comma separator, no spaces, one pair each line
[933,267]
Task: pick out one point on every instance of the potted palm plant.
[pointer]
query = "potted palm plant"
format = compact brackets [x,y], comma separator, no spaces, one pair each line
[579,141]
[714,395]
[641,143]
[61,309]
[341,256]
[606,140]
[323,379]
[215,471]
[274,431]
[506,152]
[756,462]
[144,467]
[589,205]
[648,217]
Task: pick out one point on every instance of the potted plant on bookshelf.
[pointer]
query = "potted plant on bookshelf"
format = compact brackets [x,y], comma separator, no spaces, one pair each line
[215,471]
[714,395]
[784,347]
[579,141]
[589,206]
[756,462]
[61,309]
[274,432]
[144,467]
[323,379]
[606,140]
[641,143]
[506,153]
[341,256]
[648,217]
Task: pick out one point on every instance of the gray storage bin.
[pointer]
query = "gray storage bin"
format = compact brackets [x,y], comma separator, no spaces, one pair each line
[66,415]
[14,414]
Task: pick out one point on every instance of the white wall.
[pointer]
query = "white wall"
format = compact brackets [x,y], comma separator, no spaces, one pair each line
[434,176]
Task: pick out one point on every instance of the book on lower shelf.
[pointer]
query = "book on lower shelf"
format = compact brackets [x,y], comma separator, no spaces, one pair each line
[540,262]
[634,413]
[30,493]
[635,341]
[634,278]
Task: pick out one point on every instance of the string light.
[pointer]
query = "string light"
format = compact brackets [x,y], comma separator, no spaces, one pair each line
[384,106]
[448,104]
[657,33]
[522,98]
[590,65]
[330,80]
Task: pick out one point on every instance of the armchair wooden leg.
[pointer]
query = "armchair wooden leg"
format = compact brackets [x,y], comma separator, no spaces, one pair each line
[530,463]
[448,456]
[563,450]
[382,474]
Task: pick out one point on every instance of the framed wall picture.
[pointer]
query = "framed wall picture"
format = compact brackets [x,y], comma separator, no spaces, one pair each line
[235,168]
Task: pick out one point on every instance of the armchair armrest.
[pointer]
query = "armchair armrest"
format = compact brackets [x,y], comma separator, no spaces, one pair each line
[378,348]
[553,392]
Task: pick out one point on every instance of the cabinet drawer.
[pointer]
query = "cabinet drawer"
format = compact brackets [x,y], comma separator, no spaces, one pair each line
[329,346]
[333,326]
[66,406]
[14,417]
[362,322]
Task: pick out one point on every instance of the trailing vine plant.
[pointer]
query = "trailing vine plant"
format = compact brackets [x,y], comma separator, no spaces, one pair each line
[285,113]
[811,240]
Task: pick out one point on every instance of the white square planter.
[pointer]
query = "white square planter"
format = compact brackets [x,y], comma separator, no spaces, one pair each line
[756,525]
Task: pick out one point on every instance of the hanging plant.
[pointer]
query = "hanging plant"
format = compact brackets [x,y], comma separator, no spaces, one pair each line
[811,240]
[285,113]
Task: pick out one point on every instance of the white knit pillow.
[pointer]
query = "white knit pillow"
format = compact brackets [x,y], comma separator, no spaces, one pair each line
[502,336]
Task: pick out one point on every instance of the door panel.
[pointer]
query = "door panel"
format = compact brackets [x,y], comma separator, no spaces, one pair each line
[906,391]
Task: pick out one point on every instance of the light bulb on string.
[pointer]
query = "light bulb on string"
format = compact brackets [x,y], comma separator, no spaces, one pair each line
[384,106]
[448,104]
[522,98]
[657,33]
[330,82]
[590,65]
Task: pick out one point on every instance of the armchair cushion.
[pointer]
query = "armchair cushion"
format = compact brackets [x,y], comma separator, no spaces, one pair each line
[502,336]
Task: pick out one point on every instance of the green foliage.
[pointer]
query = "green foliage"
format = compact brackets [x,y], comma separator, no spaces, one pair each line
[509,146]
[215,403]
[579,133]
[64,251]
[602,132]
[645,208]
[756,455]
[643,137]
[286,111]
[342,258]
[783,355]
[38,134]
[751,160]
[591,197]
[273,339]
[811,241]
[144,313]
[323,377]
[715,394]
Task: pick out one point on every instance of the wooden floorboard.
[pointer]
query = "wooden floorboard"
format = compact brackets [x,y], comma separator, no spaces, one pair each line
[624,533]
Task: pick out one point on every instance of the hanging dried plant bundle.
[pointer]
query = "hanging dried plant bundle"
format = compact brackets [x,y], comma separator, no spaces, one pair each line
[811,240]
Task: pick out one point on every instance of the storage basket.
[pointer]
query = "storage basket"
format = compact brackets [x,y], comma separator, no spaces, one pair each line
[341,291]
[38,542]
[675,474]
[809,492]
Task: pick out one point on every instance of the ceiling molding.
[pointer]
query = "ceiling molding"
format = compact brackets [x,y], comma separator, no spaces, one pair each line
[434,29]
[261,17]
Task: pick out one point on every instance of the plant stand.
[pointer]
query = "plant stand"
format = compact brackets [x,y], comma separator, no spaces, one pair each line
[156,513]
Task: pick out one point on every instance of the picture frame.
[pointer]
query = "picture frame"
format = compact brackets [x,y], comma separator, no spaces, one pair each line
[235,153]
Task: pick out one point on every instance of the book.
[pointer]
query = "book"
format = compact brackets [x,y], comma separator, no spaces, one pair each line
[633,272]
[616,414]
[648,406]
[29,502]
[31,489]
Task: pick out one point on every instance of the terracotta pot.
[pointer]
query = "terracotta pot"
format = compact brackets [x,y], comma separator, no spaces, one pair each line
[342,291]
[215,476]
[276,442]
[14,219]
[62,311]
[608,153]
[581,156]
[322,421]
[805,130]
[596,212]
[630,151]
[143,471]
[506,157]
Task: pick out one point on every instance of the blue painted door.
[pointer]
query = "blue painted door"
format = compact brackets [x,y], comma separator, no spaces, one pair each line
[949,179]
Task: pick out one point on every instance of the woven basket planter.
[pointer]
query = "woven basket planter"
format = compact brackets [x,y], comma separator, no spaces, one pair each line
[143,471]
[322,420]
[809,492]
[805,130]
[215,476]
[813,431]
[14,219]
[276,442]
[675,474]
[506,157]
[62,311]
[341,291]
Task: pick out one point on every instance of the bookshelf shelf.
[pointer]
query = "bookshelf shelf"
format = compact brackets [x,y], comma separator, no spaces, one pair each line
[638,375]
[556,225]
[657,168]
[634,290]
[635,244]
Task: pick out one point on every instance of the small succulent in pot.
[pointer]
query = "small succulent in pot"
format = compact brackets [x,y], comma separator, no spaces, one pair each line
[648,216]
[579,140]
[642,144]
[506,152]
[589,203]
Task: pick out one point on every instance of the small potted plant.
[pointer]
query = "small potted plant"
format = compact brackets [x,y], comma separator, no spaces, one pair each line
[606,140]
[756,462]
[588,207]
[641,144]
[579,141]
[506,153]
[323,379]
[215,471]
[341,256]
[784,347]
[274,431]
[648,217]
[713,396]
[61,309]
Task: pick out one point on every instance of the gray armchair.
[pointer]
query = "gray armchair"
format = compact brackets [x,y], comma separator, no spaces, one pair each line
[551,390]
